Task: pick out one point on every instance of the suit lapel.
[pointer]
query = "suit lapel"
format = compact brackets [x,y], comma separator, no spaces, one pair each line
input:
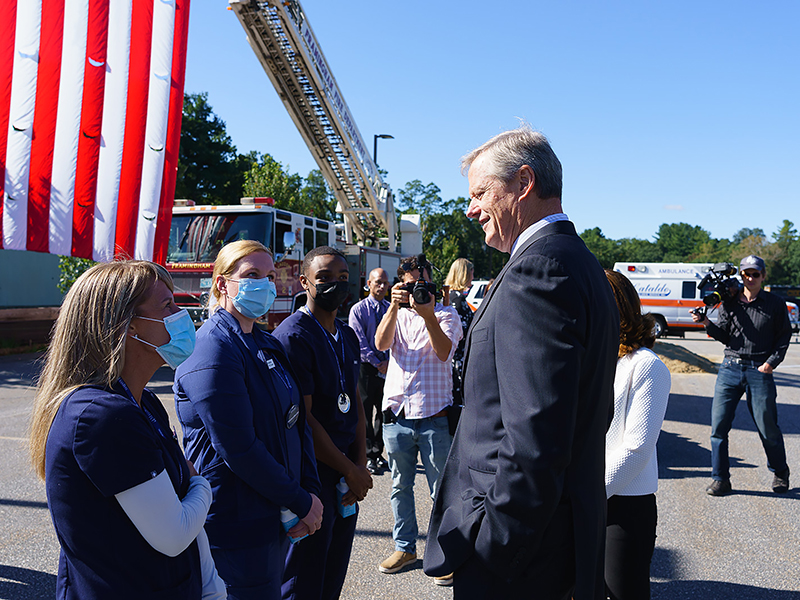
[549,229]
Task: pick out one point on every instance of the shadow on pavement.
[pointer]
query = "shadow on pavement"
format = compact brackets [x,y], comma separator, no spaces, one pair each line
[686,408]
[786,379]
[716,590]
[680,457]
[666,564]
[22,503]
[25,584]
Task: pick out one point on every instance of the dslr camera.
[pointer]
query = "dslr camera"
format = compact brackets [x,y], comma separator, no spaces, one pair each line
[724,286]
[422,291]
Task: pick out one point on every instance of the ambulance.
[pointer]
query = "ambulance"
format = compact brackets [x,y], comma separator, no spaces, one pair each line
[669,291]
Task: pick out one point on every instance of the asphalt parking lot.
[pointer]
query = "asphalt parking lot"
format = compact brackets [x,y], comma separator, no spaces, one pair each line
[742,546]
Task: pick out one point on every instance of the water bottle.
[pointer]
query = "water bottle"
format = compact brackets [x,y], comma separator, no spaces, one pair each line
[341,489]
[289,520]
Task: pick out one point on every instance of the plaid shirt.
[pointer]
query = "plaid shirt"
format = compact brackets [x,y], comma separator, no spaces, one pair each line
[417,381]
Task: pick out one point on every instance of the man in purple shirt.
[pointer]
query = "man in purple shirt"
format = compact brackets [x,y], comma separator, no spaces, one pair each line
[364,318]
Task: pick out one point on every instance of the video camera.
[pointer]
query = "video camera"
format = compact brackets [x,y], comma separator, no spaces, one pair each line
[725,286]
[422,291]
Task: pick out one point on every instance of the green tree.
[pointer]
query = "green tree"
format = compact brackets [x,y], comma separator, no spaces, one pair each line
[310,196]
[604,249]
[416,198]
[783,269]
[70,268]
[209,170]
[681,242]
[746,232]
[636,250]
[713,250]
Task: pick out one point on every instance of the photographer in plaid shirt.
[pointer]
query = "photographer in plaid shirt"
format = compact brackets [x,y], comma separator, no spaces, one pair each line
[416,396]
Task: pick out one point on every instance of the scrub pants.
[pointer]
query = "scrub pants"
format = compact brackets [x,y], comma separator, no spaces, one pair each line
[317,565]
[253,573]
[630,540]
[734,379]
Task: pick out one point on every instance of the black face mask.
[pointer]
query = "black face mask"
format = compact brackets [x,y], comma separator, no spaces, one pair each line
[330,295]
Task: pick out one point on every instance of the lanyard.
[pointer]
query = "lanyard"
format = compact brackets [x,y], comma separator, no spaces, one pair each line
[150,417]
[328,337]
[280,372]
[152,420]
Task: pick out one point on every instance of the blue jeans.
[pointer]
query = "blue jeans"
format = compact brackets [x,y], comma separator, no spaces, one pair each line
[733,380]
[403,439]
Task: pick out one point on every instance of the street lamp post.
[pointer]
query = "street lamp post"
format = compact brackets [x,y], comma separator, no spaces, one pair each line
[383,136]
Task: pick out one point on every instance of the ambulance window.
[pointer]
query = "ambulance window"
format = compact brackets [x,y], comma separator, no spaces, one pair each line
[322,238]
[689,290]
[308,240]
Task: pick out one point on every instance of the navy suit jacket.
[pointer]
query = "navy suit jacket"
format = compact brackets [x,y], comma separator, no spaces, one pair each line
[523,490]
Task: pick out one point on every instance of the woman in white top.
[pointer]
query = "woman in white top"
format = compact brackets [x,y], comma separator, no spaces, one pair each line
[641,391]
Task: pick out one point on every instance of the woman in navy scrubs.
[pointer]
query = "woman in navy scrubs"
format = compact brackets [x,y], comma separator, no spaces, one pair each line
[245,428]
[127,507]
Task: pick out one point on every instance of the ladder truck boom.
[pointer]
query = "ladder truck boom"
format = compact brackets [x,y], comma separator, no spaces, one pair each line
[283,41]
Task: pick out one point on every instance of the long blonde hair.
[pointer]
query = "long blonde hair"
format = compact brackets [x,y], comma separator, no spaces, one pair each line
[87,346]
[225,264]
[459,274]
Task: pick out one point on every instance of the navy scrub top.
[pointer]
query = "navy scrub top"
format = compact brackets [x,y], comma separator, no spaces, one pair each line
[102,443]
[317,360]
[233,397]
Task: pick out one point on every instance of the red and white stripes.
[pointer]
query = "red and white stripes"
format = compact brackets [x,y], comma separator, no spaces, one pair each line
[91,97]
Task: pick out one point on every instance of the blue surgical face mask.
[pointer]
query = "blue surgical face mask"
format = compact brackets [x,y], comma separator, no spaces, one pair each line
[181,338]
[255,297]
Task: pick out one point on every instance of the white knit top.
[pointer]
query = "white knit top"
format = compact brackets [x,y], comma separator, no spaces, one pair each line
[641,391]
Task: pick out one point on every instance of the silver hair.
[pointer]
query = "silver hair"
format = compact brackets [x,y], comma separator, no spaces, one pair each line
[507,152]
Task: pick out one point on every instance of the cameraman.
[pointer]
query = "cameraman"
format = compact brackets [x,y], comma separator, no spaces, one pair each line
[754,327]
[417,394]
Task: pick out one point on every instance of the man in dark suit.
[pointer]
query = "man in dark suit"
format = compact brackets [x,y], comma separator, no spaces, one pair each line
[521,508]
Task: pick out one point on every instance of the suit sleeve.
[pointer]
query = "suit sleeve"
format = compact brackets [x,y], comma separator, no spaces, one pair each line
[222,400]
[539,335]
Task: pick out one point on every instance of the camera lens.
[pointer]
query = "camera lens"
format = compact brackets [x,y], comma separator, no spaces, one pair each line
[421,294]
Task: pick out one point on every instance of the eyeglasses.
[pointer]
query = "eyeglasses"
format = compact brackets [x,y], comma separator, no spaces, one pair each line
[752,274]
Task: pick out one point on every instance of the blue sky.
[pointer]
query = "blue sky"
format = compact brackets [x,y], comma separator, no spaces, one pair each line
[661,112]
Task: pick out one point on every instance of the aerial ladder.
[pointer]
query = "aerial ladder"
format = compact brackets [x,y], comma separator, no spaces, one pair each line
[281,37]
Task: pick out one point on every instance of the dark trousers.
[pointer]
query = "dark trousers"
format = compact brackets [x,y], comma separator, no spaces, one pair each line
[316,566]
[550,575]
[370,386]
[630,540]
[253,573]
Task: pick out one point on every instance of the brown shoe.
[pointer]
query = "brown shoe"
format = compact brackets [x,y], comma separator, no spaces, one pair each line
[397,561]
[444,580]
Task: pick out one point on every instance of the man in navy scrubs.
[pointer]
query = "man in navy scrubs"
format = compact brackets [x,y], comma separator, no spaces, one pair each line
[324,353]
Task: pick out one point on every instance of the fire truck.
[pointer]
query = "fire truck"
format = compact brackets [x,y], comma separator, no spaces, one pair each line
[284,43]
